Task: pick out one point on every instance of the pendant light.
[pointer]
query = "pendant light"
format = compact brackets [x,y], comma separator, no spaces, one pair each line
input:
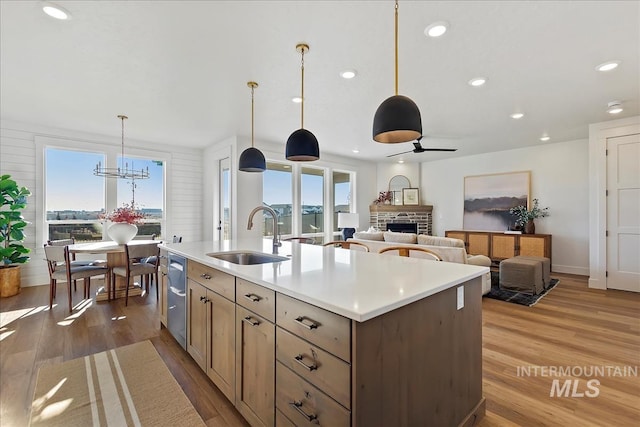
[123,171]
[302,145]
[397,119]
[251,159]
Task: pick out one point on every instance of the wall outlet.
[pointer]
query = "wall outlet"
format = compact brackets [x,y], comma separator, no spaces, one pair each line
[460,297]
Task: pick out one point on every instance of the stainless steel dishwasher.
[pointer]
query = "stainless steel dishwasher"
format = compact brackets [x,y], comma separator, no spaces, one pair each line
[176,298]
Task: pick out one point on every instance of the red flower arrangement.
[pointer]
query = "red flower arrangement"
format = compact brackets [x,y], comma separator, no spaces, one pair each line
[127,213]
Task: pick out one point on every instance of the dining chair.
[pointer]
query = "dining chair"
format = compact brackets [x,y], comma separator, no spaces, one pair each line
[135,254]
[406,252]
[307,240]
[348,245]
[61,268]
[74,261]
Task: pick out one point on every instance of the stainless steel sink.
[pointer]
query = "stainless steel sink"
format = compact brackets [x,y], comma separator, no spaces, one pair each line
[247,257]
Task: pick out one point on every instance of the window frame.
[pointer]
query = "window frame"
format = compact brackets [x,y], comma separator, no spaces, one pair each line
[111,153]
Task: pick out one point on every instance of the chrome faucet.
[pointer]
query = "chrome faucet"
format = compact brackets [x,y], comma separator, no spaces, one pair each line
[276,240]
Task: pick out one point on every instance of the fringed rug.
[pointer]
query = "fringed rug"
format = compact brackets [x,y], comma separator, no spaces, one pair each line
[513,296]
[126,386]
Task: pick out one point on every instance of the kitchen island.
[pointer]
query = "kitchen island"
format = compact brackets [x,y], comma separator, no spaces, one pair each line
[337,337]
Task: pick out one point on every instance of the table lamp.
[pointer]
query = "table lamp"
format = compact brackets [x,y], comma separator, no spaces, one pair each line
[348,223]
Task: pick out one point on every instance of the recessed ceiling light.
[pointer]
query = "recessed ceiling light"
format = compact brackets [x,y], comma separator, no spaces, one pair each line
[355,150]
[544,138]
[436,29]
[517,116]
[296,99]
[348,74]
[478,81]
[401,161]
[614,107]
[55,11]
[608,66]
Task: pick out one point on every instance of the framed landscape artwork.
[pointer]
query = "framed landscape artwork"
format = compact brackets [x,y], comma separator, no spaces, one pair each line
[488,198]
[410,196]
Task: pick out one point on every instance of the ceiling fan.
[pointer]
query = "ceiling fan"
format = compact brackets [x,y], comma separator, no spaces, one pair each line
[420,149]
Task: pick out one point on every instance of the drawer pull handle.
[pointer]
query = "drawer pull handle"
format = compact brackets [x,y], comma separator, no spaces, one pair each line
[206,276]
[251,321]
[309,324]
[252,297]
[310,418]
[299,359]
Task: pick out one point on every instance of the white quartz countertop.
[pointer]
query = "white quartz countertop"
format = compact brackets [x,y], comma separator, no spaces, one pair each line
[352,283]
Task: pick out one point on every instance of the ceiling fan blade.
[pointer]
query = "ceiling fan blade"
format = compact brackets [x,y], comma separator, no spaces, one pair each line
[438,149]
[397,154]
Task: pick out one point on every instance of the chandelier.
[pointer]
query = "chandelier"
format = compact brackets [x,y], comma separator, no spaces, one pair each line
[123,170]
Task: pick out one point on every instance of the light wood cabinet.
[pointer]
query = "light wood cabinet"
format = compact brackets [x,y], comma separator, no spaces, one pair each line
[255,368]
[499,246]
[285,362]
[211,325]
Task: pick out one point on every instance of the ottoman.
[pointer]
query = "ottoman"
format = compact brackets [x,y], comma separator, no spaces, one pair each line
[521,275]
[546,267]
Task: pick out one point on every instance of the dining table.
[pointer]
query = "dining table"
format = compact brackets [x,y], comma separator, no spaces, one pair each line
[116,257]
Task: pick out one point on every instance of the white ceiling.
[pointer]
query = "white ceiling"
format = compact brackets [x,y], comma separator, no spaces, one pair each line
[179,69]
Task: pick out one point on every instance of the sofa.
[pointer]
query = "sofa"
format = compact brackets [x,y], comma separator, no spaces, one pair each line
[449,249]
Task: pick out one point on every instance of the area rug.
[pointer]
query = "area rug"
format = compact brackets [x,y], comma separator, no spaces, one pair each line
[514,296]
[126,386]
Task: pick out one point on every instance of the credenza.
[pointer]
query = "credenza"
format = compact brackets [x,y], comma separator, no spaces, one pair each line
[499,245]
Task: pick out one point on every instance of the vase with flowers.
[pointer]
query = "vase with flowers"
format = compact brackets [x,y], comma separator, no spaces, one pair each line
[384,197]
[525,217]
[124,223]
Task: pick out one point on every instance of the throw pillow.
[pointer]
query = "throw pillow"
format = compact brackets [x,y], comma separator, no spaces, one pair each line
[376,235]
[392,236]
[424,239]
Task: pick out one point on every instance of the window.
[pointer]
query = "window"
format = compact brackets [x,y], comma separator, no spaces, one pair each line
[146,194]
[75,198]
[341,195]
[312,202]
[277,193]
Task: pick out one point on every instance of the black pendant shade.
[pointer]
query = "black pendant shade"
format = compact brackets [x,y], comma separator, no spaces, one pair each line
[397,119]
[302,146]
[252,160]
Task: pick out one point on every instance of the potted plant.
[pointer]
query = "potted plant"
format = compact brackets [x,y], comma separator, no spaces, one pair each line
[525,217]
[12,224]
[124,223]
[384,197]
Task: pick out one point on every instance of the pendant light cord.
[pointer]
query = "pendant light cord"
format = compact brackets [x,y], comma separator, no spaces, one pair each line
[252,115]
[302,91]
[396,34]
[122,117]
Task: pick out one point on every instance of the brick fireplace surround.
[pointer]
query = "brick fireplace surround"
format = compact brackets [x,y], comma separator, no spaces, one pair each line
[380,215]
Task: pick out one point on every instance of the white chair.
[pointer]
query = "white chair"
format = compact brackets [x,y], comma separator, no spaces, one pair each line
[408,251]
[348,245]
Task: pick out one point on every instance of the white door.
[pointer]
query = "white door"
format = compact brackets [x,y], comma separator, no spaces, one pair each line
[623,213]
[224,222]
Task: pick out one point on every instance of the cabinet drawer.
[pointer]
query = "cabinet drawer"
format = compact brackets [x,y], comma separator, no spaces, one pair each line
[327,330]
[322,369]
[282,421]
[257,298]
[304,404]
[215,280]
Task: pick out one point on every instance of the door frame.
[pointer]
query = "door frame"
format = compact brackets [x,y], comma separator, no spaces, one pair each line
[598,135]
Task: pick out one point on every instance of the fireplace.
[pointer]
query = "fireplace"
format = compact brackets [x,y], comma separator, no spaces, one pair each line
[396,218]
[403,227]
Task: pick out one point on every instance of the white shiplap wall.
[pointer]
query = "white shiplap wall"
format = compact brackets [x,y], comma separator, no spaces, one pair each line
[18,158]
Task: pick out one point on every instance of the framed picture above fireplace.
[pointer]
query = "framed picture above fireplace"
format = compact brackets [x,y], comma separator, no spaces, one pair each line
[488,198]
[410,196]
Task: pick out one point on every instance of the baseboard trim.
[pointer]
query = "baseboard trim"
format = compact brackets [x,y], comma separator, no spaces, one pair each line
[569,269]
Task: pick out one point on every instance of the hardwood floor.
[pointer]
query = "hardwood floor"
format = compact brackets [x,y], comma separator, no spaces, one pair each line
[571,326]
